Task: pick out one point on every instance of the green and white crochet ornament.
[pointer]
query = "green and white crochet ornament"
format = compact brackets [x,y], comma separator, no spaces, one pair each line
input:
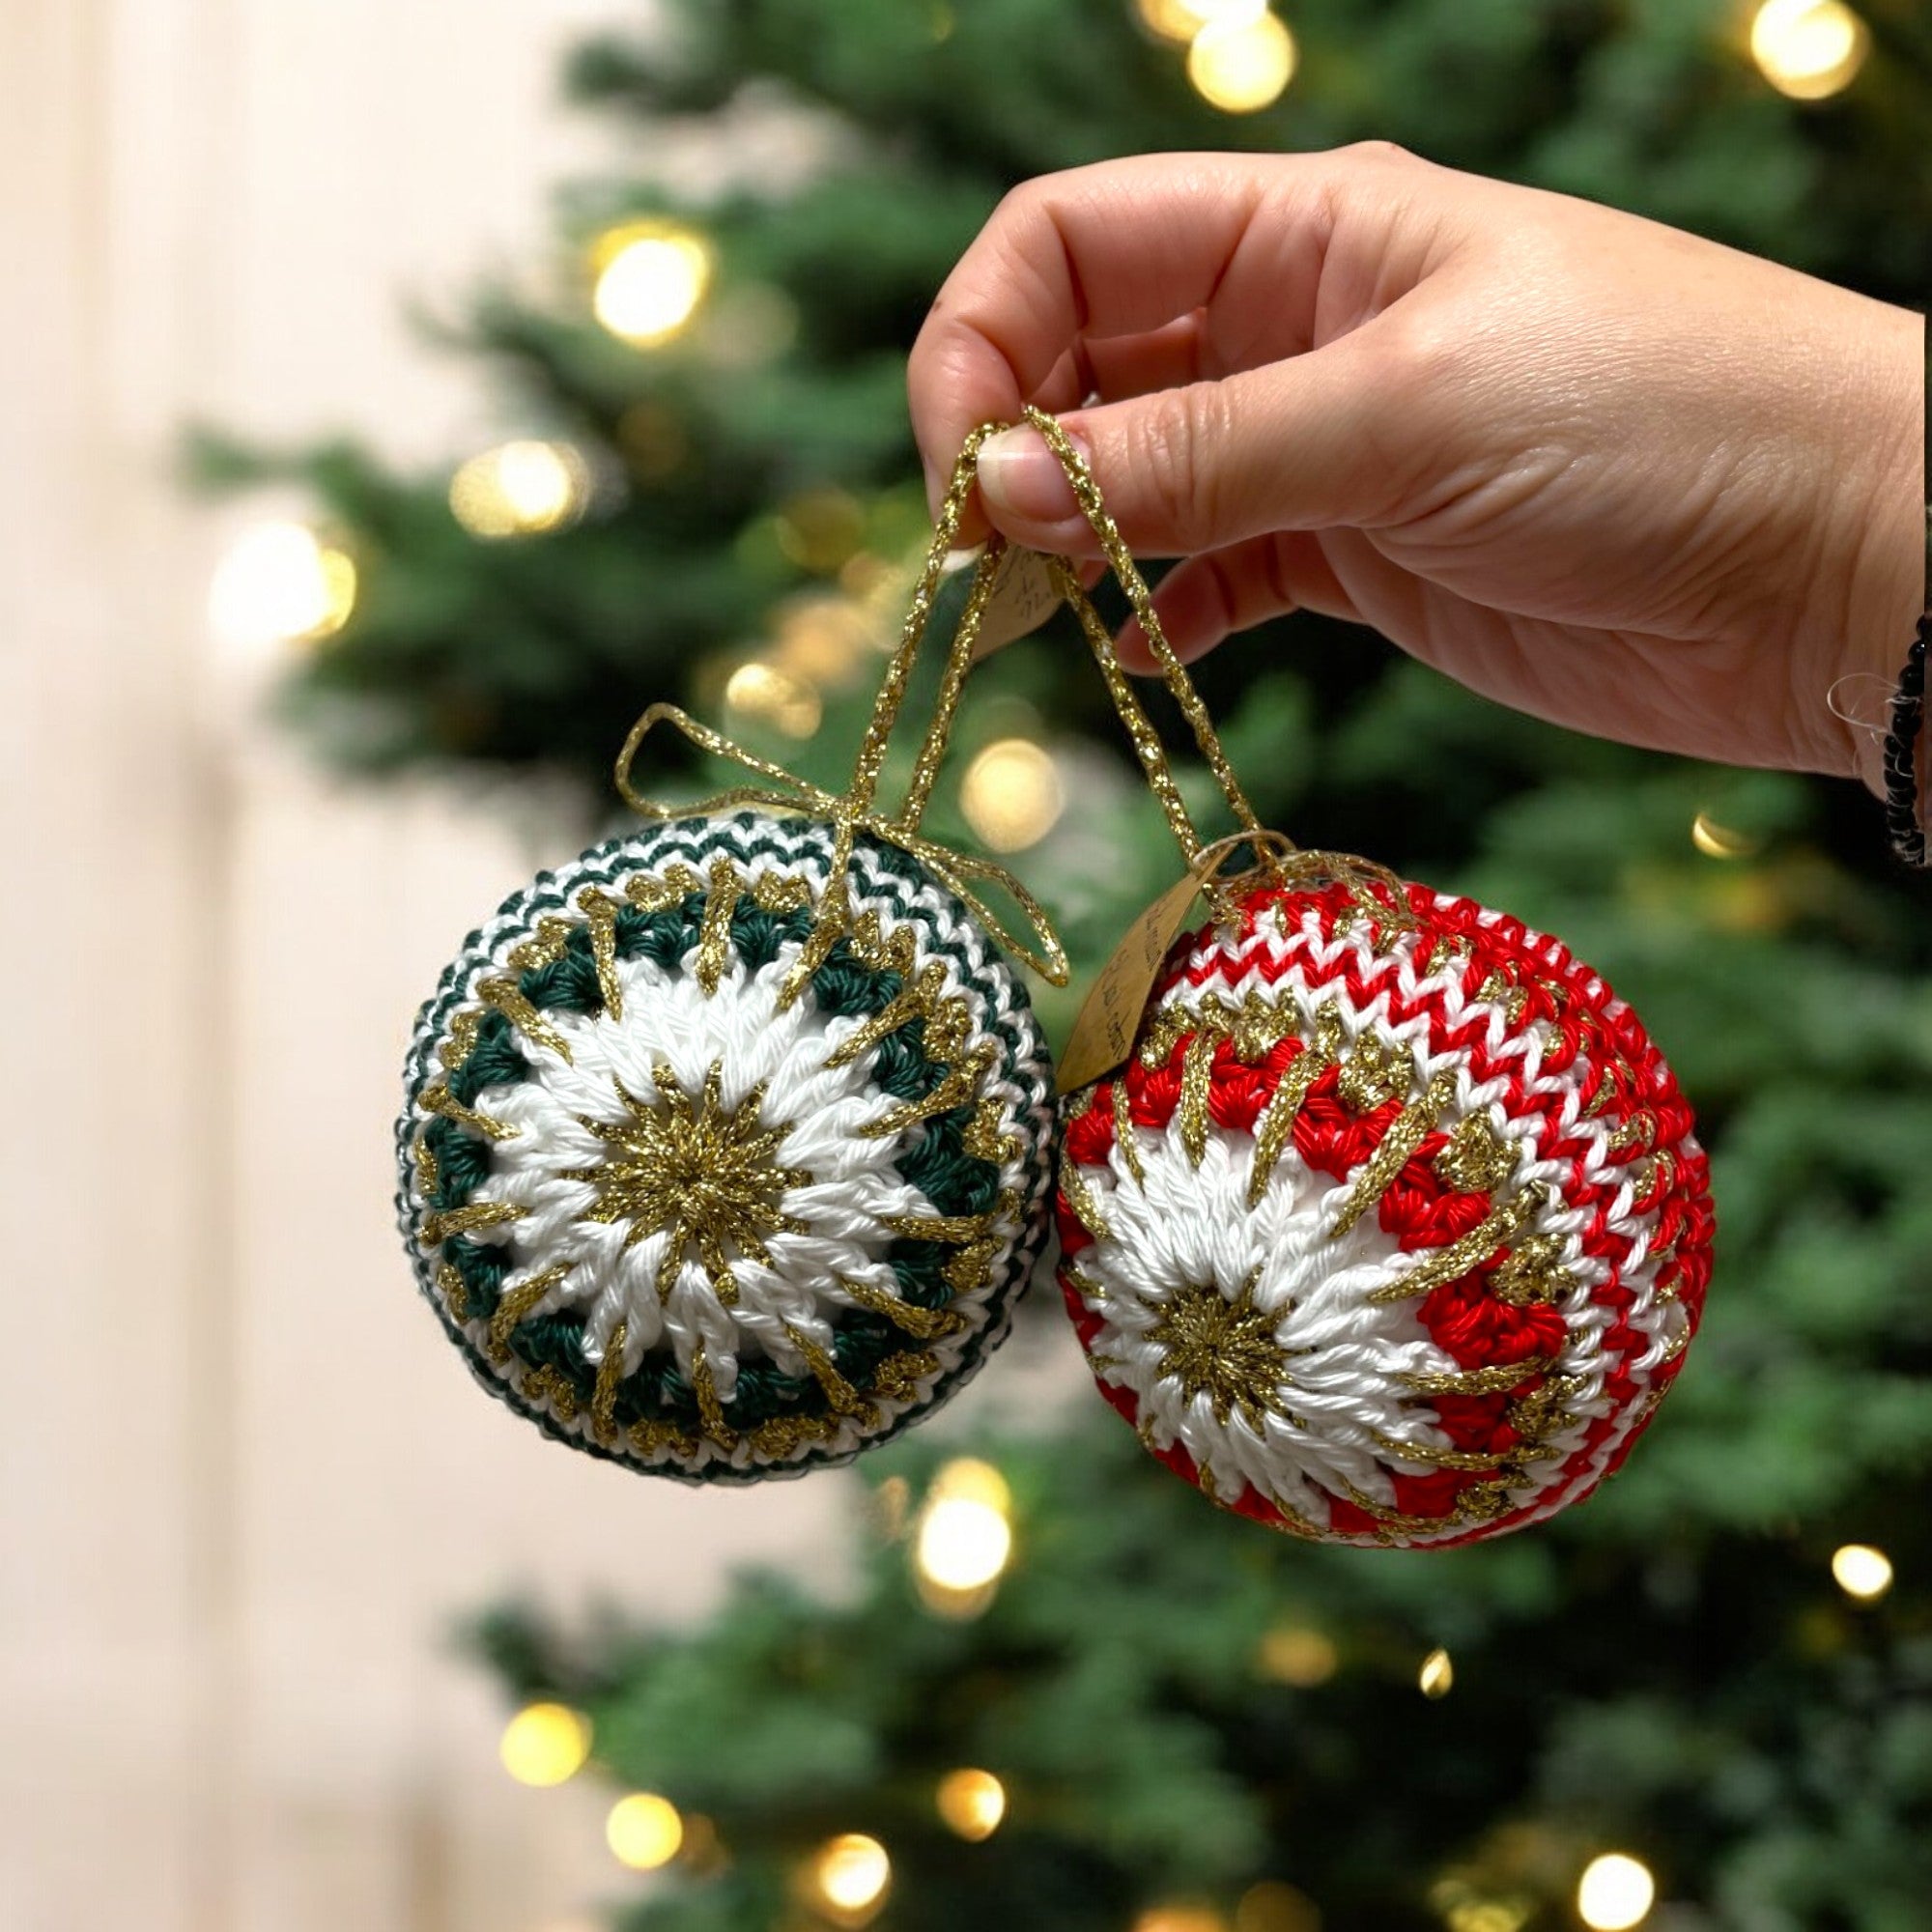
[729,1148]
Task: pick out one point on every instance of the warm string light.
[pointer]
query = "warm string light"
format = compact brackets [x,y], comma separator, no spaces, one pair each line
[1291,1654]
[1180,1918]
[971,1803]
[964,1540]
[1809,49]
[544,1743]
[1616,1892]
[1181,19]
[762,692]
[1717,840]
[1011,795]
[1437,1676]
[1273,1907]
[1864,1574]
[644,1830]
[280,584]
[520,489]
[847,1879]
[1241,66]
[651,276]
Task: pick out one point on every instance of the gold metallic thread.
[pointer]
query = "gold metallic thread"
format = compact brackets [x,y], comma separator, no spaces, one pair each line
[610,1379]
[455,1295]
[1223,1349]
[703,1174]
[922,1324]
[1478,1245]
[600,915]
[1080,1198]
[466,1219]
[1490,1381]
[545,1384]
[713,937]
[544,948]
[1276,1125]
[1395,1150]
[1375,1070]
[517,1305]
[711,1412]
[840,1396]
[1478,1159]
[1197,1069]
[501,992]
[958,1089]
[1126,1138]
[436,1098]
[459,1042]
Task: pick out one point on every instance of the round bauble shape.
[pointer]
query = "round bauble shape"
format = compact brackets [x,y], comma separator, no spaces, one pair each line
[692,1205]
[1393,1229]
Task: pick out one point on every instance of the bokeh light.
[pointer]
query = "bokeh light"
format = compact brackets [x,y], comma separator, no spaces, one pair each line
[773,698]
[1274,1907]
[849,1877]
[1181,19]
[964,1540]
[651,276]
[1180,1918]
[544,1743]
[1809,49]
[520,489]
[971,1803]
[1437,1676]
[1241,66]
[1616,1892]
[1292,1654]
[1011,795]
[280,583]
[644,1830]
[1717,840]
[1863,1573]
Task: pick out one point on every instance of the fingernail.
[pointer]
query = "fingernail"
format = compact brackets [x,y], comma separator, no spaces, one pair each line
[1022,477]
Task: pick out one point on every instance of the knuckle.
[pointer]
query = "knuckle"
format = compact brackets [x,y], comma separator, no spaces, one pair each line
[1379,152]
[1175,456]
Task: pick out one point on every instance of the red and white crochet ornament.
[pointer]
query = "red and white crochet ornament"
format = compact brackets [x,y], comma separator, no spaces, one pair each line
[1392,1229]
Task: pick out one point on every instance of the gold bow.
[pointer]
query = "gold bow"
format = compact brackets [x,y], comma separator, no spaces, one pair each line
[853,812]
[956,871]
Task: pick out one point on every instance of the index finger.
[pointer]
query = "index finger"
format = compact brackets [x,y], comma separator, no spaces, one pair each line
[1116,248]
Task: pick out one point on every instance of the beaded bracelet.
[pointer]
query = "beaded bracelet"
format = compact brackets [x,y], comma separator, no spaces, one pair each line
[1901,740]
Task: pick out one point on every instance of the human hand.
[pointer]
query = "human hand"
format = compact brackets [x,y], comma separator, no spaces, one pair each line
[1609,474]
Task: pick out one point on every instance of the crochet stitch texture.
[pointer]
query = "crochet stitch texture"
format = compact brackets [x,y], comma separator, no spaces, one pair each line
[684,1223]
[1393,1230]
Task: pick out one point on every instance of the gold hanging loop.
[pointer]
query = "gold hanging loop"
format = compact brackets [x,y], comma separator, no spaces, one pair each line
[854,811]
[1146,743]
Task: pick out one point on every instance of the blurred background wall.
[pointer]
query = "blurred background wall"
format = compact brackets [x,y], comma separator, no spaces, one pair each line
[234,1529]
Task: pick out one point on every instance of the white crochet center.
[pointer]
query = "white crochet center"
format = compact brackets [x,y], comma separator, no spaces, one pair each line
[669,1021]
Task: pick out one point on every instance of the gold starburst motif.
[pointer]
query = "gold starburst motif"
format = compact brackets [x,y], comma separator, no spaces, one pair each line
[1224,1349]
[704,1174]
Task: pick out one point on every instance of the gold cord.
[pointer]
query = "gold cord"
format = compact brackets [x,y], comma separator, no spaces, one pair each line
[854,811]
[1147,742]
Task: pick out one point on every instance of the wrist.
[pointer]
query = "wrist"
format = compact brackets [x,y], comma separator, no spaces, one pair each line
[1888,588]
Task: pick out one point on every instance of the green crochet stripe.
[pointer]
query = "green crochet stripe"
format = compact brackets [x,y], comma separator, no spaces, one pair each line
[955,1182]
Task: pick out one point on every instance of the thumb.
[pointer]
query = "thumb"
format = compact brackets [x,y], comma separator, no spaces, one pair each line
[1322,439]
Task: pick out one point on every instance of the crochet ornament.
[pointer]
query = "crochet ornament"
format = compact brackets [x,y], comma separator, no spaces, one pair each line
[1385,1224]
[729,1147]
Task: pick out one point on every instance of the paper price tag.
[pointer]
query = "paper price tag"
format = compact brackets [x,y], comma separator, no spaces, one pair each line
[1103,1035]
[1022,600]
